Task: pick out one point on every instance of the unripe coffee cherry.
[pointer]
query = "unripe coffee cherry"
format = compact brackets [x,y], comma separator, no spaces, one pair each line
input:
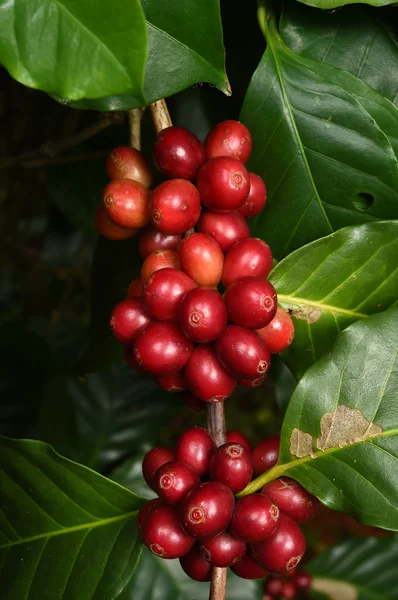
[135,288]
[206,377]
[172,382]
[292,499]
[129,318]
[265,455]
[226,228]
[177,152]
[126,203]
[238,438]
[206,511]
[195,447]
[242,352]
[223,184]
[163,293]
[250,301]
[162,348]
[229,138]
[247,568]
[279,333]
[128,163]
[163,534]
[152,239]
[224,550]
[174,480]
[144,513]
[160,259]
[108,229]
[231,464]
[174,206]
[248,257]
[203,316]
[131,360]
[255,518]
[154,459]
[195,566]
[284,550]
[202,259]
[256,199]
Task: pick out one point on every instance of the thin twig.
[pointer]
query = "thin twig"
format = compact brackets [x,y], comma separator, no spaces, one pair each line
[39,163]
[160,115]
[135,116]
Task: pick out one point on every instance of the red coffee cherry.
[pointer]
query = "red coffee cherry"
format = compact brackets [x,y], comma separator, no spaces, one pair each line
[279,333]
[274,586]
[231,464]
[248,257]
[288,590]
[163,534]
[177,152]
[206,377]
[152,239]
[144,513]
[255,518]
[135,288]
[256,199]
[239,438]
[160,259]
[302,580]
[202,259]
[128,163]
[195,447]
[174,206]
[162,348]
[247,568]
[193,402]
[242,352]
[268,597]
[163,293]
[195,566]
[292,499]
[126,203]
[206,511]
[250,301]
[265,455]
[108,229]
[223,550]
[225,228]
[251,382]
[284,550]
[203,316]
[174,480]
[131,361]
[229,138]
[129,318]
[154,459]
[172,382]
[223,184]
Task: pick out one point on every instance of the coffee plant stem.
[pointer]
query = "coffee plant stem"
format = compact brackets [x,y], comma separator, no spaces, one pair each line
[135,116]
[160,115]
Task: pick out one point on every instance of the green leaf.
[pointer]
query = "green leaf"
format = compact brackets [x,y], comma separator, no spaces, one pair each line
[368,50]
[65,531]
[326,4]
[340,433]
[324,143]
[366,566]
[334,281]
[129,475]
[75,49]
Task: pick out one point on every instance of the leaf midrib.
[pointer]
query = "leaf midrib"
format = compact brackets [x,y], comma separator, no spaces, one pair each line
[323,307]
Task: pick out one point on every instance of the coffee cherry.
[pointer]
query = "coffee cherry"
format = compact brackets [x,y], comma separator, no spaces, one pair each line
[206,511]
[223,550]
[229,138]
[144,513]
[195,566]
[251,382]
[225,228]
[163,293]
[256,199]
[163,534]
[174,206]
[250,301]
[284,550]
[231,464]
[248,257]
[172,382]
[292,499]
[129,318]
[153,460]
[267,597]
[174,480]
[247,568]
[279,333]
[238,438]
[128,163]
[195,447]
[160,259]
[274,586]
[265,455]
[255,518]
[193,402]
[126,203]
[152,239]
[302,580]
[203,316]
[202,259]
[135,288]
[131,361]
[223,184]
[243,352]
[162,348]
[206,377]
[108,229]
[288,590]
[177,152]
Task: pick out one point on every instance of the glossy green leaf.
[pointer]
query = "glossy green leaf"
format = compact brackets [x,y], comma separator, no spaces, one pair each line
[324,143]
[327,4]
[334,281]
[129,475]
[340,433]
[65,531]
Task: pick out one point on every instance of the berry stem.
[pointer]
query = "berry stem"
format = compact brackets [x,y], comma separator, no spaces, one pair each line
[135,116]
[160,115]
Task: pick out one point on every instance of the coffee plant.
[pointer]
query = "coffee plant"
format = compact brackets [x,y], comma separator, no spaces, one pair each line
[199,307]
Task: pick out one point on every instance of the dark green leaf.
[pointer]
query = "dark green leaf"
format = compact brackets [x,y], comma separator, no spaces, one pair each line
[65,531]
[129,475]
[333,282]
[326,4]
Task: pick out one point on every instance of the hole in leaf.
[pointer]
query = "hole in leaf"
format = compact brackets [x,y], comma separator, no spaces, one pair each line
[363,201]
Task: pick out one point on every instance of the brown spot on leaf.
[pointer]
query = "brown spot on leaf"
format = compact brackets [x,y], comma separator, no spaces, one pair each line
[306,313]
[301,443]
[345,426]
[335,590]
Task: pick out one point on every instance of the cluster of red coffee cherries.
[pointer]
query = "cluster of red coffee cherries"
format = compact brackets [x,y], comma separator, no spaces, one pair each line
[174,323]
[294,584]
[197,518]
